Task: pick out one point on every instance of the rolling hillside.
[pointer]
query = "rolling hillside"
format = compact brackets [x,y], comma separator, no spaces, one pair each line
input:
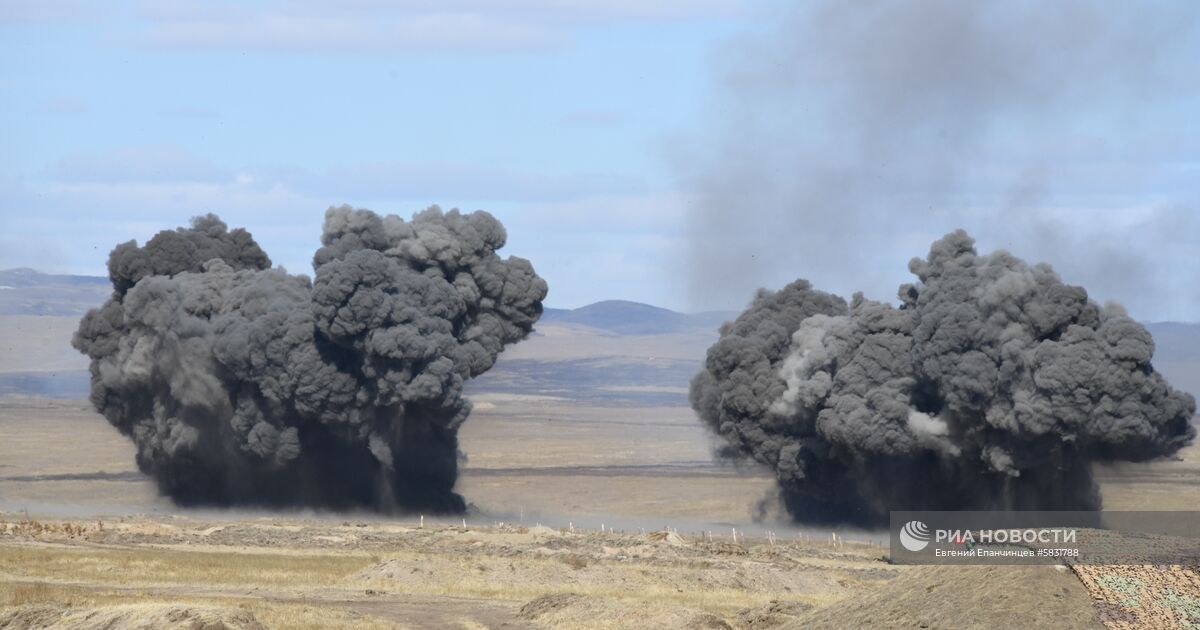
[611,352]
[25,291]
[634,318]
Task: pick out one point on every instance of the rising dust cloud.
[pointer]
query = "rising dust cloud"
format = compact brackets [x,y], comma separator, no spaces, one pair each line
[993,385]
[245,385]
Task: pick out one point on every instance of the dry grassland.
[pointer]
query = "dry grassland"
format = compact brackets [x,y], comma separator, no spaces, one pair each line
[316,573]
[80,560]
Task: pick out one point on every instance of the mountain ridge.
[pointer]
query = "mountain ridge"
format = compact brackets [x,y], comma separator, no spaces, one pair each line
[29,277]
[606,344]
[26,291]
[634,318]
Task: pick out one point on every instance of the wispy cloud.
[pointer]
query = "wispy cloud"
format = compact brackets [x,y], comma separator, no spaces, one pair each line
[434,33]
[589,244]
[415,27]
[433,180]
[166,166]
[608,245]
[45,11]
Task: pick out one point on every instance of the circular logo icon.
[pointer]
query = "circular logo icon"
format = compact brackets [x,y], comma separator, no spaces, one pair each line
[914,536]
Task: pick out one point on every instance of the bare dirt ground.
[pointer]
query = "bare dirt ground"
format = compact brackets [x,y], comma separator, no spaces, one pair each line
[38,344]
[86,542]
[547,459]
[298,572]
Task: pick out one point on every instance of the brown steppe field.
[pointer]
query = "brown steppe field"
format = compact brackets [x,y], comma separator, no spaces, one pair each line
[595,503]
[85,542]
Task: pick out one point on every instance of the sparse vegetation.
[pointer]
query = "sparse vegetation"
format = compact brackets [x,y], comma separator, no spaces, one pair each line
[361,571]
[139,606]
[166,567]
[318,574]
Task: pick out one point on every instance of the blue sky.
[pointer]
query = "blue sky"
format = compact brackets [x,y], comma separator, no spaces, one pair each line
[679,154]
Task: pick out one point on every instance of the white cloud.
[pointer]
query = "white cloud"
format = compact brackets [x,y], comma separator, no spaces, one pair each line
[100,199]
[465,181]
[35,11]
[169,166]
[648,214]
[427,33]
[371,26]
[611,246]
[590,244]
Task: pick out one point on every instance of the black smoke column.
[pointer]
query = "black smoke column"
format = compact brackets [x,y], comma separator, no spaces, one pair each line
[244,385]
[992,386]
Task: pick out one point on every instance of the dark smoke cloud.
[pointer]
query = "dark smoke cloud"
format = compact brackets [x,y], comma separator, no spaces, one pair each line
[993,385]
[243,385]
[1051,128]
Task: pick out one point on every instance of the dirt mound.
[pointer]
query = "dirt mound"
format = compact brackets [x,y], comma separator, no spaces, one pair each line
[965,597]
[129,617]
[706,621]
[396,570]
[772,615]
[30,617]
[547,604]
[668,537]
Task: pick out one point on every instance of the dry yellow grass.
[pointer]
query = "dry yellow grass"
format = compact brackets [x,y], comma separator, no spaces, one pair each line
[440,576]
[301,616]
[166,567]
[38,343]
[586,465]
[313,617]
[637,595]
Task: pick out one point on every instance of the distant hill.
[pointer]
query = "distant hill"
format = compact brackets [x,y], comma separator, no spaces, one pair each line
[24,277]
[1175,341]
[614,350]
[24,291]
[1177,345]
[1177,354]
[634,318]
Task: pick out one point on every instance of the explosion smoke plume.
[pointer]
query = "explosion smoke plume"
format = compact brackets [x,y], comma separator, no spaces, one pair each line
[244,385]
[992,386]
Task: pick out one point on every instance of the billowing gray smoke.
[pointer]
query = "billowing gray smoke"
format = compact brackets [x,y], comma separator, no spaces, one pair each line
[992,386]
[244,385]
